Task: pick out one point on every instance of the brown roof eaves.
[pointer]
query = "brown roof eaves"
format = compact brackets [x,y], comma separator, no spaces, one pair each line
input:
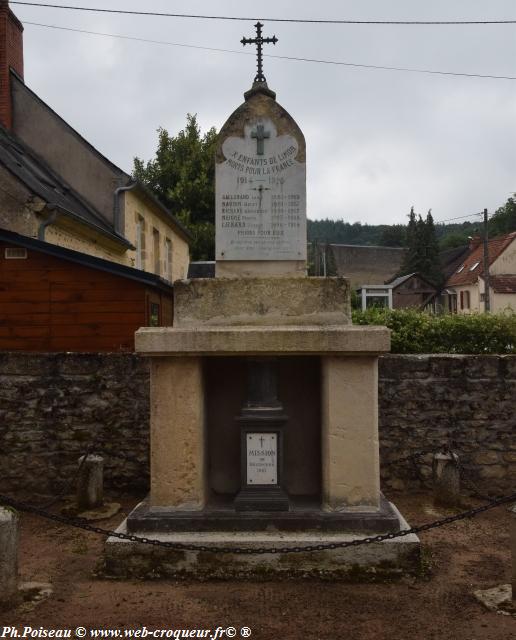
[496,247]
[503,283]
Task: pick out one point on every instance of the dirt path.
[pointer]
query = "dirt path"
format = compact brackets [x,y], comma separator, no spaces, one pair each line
[465,556]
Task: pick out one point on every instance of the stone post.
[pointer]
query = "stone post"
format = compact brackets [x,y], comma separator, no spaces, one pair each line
[9,533]
[178,439]
[90,484]
[446,472]
[512,542]
[350,448]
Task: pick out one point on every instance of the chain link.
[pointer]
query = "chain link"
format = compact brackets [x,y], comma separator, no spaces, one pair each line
[413,457]
[465,474]
[120,455]
[178,546]
[466,480]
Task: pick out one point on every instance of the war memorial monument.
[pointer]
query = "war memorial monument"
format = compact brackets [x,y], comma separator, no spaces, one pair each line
[264,412]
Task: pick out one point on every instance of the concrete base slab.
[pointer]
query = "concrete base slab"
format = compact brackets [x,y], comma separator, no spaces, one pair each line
[498,599]
[370,562]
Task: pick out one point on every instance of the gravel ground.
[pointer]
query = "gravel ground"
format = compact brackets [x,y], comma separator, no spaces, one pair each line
[465,556]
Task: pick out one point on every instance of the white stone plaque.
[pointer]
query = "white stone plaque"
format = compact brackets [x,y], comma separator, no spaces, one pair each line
[260,197]
[262,458]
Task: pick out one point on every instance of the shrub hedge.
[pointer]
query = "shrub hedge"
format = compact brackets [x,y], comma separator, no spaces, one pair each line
[419,332]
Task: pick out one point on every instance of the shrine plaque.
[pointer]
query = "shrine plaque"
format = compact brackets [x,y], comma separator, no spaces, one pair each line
[260,196]
[262,458]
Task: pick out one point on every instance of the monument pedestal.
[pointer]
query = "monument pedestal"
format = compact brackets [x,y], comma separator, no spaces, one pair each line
[182,504]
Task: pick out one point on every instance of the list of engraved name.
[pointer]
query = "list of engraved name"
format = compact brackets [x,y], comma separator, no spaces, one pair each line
[264,212]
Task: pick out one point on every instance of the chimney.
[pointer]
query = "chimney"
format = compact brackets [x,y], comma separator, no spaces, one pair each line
[474,242]
[11,56]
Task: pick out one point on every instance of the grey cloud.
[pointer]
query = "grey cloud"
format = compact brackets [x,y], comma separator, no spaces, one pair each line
[378,141]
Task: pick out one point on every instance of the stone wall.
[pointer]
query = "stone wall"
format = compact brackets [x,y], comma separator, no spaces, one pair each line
[53,406]
[465,402]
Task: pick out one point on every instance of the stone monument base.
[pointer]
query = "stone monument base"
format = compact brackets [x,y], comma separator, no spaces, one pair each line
[370,562]
[304,515]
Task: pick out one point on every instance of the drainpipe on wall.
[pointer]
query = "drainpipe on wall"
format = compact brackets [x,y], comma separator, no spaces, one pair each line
[46,223]
[116,205]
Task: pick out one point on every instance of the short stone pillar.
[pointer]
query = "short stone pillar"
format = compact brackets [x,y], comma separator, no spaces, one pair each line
[350,445]
[178,439]
[9,533]
[446,473]
[90,483]
[512,542]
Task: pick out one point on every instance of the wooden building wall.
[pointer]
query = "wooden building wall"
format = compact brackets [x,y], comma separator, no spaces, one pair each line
[414,292]
[52,304]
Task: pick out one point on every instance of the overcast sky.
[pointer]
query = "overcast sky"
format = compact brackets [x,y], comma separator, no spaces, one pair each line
[378,142]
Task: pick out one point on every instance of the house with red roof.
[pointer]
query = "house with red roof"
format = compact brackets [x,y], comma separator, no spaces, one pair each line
[465,288]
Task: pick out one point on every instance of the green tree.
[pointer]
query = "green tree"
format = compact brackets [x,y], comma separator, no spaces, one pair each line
[394,236]
[410,262]
[504,219]
[430,262]
[453,240]
[422,249]
[182,175]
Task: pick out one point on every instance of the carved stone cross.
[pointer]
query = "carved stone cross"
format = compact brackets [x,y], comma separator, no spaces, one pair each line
[260,134]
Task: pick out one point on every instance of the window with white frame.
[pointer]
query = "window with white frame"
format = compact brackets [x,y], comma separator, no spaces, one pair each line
[376,296]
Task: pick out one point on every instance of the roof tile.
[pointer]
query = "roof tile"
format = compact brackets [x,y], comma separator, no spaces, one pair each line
[503,284]
[473,265]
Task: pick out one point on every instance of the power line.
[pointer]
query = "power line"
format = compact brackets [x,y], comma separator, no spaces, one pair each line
[137,39]
[458,218]
[293,58]
[295,20]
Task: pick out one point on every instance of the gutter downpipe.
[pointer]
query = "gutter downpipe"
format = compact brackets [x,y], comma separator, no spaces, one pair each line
[46,223]
[116,204]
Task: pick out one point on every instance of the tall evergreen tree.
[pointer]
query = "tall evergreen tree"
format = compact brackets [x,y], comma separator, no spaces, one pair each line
[422,249]
[431,264]
[410,262]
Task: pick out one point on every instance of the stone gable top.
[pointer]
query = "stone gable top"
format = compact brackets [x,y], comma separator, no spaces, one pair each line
[260,101]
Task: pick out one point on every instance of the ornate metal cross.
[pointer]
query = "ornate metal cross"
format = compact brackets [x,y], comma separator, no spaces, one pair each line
[260,134]
[259,41]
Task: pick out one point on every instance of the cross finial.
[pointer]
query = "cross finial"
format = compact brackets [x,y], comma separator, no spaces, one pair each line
[259,41]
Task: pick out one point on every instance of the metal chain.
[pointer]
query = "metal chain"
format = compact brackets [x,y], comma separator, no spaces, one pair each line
[465,474]
[120,455]
[411,458]
[465,477]
[177,546]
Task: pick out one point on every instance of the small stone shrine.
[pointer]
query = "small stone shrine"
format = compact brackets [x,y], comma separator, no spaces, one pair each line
[264,412]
